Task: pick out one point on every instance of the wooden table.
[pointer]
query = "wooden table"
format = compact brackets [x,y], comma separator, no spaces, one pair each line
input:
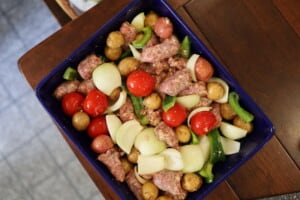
[258,41]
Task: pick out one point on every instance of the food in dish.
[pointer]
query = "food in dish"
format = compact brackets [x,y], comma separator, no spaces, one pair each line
[160,109]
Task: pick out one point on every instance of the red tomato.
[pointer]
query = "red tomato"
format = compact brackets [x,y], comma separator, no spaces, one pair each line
[175,115]
[95,103]
[72,103]
[140,83]
[163,27]
[203,122]
[97,127]
[102,143]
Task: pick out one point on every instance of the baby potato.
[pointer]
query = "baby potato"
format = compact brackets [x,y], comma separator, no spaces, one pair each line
[127,166]
[164,197]
[133,156]
[227,112]
[128,65]
[113,53]
[153,101]
[237,121]
[215,90]
[151,19]
[183,134]
[203,69]
[115,39]
[149,191]
[80,121]
[191,182]
[114,95]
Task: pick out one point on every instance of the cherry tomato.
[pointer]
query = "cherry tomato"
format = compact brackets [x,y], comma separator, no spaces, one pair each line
[203,122]
[97,127]
[95,103]
[175,115]
[140,83]
[102,143]
[72,103]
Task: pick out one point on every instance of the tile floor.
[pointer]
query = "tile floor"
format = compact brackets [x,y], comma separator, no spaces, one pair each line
[35,161]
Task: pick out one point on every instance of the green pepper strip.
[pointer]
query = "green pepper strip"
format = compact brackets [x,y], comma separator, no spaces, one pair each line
[216,149]
[195,138]
[233,101]
[137,103]
[143,41]
[185,47]
[126,53]
[207,173]
[216,155]
[70,74]
[169,102]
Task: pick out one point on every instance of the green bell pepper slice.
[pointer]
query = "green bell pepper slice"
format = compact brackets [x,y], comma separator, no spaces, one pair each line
[138,106]
[185,48]
[233,101]
[168,102]
[216,155]
[70,74]
[140,43]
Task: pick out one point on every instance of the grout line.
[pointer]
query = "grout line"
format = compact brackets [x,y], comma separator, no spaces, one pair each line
[60,167]
[23,186]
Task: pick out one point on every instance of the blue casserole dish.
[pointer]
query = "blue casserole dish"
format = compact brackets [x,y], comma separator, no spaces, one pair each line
[263,128]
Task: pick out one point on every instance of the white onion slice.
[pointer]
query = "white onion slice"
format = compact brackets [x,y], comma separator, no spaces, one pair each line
[231,131]
[193,158]
[126,134]
[191,65]
[224,98]
[150,164]
[173,159]
[138,21]
[138,177]
[136,54]
[117,105]
[230,146]
[205,146]
[113,124]
[200,109]
[147,143]
[188,101]
[107,77]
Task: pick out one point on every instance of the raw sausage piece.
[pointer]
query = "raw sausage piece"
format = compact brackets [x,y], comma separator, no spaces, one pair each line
[170,182]
[134,185]
[86,86]
[168,48]
[126,111]
[195,88]
[111,158]
[87,66]
[129,32]
[65,88]
[166,134]
[172,85]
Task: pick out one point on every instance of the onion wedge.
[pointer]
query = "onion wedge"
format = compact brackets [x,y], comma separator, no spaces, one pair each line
[117,105]
[191,65]
[231,131]
[230,146]
[113,123]
[188,101]
[107,77]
